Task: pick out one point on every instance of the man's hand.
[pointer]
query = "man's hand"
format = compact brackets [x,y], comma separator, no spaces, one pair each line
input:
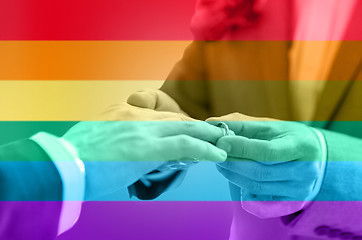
[130,142]
[154,99]
[275,163]
[160,101]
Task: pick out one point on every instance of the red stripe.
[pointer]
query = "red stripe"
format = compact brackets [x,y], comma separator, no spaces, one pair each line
[134,20]
[95,19]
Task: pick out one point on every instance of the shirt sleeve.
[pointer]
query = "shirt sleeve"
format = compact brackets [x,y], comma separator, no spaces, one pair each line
[72,173]
[319,182]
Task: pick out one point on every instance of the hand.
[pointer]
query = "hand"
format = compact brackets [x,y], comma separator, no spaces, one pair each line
[160,101]
[271,161]
[154,99]
[118,153]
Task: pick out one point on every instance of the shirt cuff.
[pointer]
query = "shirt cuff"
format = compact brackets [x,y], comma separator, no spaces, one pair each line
[319,182]
[72,173]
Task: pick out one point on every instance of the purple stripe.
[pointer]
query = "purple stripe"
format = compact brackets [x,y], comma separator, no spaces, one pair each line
[159,220]
[153,220]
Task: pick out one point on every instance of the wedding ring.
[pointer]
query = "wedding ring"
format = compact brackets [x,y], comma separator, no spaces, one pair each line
[224,127]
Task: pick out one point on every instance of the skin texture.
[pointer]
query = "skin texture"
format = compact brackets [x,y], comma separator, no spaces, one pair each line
[275,163]
[130,142]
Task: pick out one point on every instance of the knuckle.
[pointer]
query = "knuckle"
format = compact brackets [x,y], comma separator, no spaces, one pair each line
[184,143]
[188,125]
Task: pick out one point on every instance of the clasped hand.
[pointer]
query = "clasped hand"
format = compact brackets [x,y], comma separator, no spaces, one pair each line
[126,143]
[276,164]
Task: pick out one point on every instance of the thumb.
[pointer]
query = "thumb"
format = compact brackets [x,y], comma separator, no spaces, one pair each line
[143,99]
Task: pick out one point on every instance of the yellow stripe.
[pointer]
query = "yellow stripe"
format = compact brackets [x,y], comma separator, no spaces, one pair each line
[63,100]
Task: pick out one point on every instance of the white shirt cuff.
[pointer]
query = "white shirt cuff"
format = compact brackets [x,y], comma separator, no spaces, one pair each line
[72,173]
[319,182]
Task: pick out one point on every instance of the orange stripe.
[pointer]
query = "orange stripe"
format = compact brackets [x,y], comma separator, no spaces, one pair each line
[88,60]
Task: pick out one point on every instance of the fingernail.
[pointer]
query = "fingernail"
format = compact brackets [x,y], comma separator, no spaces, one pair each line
[224,146]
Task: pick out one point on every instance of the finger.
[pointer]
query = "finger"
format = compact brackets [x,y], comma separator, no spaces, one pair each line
[282,188]
[197,129]
[250,127]
[183,147]
[266,152]
[260,172]
[143,99]
[304,171]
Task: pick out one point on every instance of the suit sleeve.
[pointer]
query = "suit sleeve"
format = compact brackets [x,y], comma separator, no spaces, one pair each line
[338,206]
[31,192]
[187,82]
